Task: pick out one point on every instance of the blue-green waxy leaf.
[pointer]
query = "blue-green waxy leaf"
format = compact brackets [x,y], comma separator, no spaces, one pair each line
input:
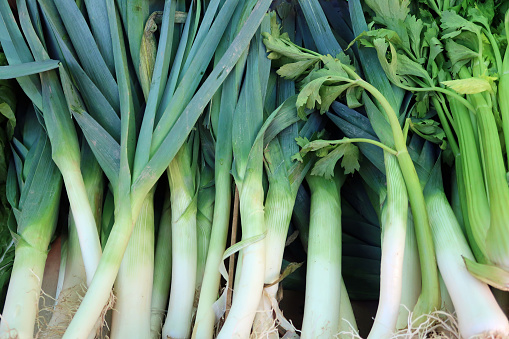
[105,148]
[157,85]
[98,106]
[248,116]
[12,186]
[98,17]
[17,52]
[29,68]
[8,103]
[103,145]
[33,9]
[198,31]
[369,60]
[137,14]
[56,28]
[182,127]
[319,27]
[175,70]
[193,75]
[379,122]
[57,119]
[87,50]
[127,112]
[41,186]
[338,16]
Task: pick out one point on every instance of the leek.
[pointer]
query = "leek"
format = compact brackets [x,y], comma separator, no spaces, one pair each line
[248,170]
[162,270]
[74,275]
[321,311]
[33,189]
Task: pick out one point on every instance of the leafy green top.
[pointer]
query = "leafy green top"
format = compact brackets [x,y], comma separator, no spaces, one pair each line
[321,79]
[330,152]
[7,124]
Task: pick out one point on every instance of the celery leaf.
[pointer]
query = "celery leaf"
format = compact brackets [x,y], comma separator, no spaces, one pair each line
[348,152]
[472,85]
[329,152]
[453,22]
[281,46]
[430,130]
[293,70]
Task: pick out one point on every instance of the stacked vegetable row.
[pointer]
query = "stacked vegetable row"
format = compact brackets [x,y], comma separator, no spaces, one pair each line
[143,118]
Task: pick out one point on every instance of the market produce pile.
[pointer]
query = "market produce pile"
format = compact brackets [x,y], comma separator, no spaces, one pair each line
[175,168]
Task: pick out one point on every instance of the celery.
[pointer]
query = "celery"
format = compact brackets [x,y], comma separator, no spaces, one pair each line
[482,315]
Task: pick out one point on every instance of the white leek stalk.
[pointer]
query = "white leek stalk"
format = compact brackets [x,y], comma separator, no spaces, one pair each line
[133,287]
[278,212]
[347,322]
[184,247]
[394,219]
[247,144]
[411,288]
[74,275]
[20,308]
[162,271]
[321,310]
[249,285]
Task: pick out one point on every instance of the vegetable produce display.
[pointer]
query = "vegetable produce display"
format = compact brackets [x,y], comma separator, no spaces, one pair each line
[254,169]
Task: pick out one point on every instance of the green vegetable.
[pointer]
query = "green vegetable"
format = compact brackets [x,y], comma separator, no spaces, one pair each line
[33,190]
[8,103]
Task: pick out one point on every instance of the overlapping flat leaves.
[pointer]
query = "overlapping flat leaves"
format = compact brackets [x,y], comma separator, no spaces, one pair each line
[330,152]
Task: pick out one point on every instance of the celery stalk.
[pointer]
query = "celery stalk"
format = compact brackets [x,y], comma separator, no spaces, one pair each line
[477,310]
